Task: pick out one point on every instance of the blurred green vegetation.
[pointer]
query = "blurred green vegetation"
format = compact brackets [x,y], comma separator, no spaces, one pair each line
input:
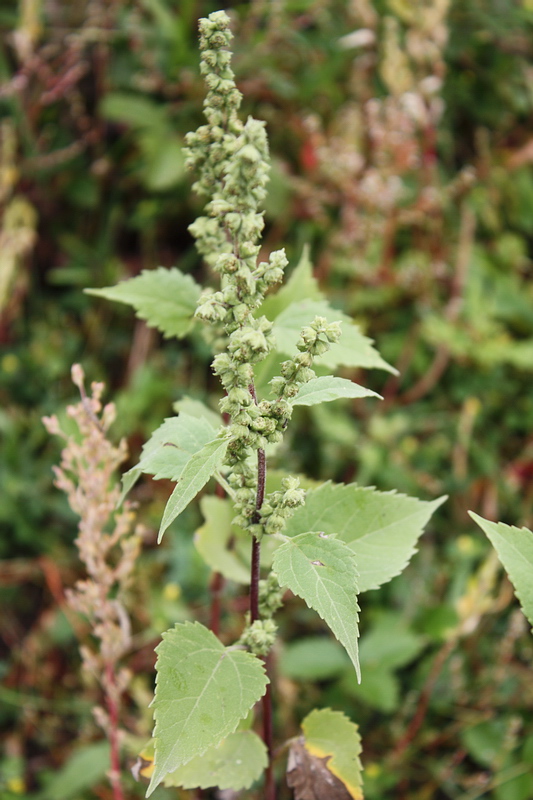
[402,144]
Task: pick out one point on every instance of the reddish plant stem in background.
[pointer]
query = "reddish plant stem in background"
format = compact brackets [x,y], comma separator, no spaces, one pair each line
[112,708]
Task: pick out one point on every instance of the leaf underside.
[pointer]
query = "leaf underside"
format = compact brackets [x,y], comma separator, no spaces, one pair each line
[169,449]
[199,468]
[203,690]
[236,763]
[322,571]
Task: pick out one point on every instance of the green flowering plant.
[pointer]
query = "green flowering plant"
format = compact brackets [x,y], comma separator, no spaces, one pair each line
[326,543]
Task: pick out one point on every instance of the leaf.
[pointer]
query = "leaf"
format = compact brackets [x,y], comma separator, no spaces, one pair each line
[165,163]
[381,528]
[352,350]
[380,688]
[213,540]
[86,766]
[310,777]
[313,658]
[165,298]
[389,645]
[195,408]
[326,388]
[134,110]
[301,285]
[322,571]
[515,550]
[324,765]
[236,763]
[195,475]
[173,444]
[203,690]
[169,449]
[331,733]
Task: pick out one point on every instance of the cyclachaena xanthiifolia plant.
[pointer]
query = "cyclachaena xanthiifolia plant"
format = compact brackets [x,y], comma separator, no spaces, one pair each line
[326,544]
[108,544]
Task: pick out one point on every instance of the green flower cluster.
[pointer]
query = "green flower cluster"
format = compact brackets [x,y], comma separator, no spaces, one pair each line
[232,162]
[270,596]
[259,636]
[276,509]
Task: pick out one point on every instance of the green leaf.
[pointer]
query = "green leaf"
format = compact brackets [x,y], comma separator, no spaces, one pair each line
[381,528]
[313,658]
[301,285]
[352,350]
[134,110]
[330,734]
[173,444]
[389,643]
[165,163]
[169,449]
[203,690]
[86,766]
[484,741]
[213,541]
[326,388]
[165,298]
[195,475]
[195,408]
[515,550]
[236,763]
[379,688]
[322,571]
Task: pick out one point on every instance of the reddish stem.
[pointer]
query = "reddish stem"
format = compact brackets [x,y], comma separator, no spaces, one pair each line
[112,707]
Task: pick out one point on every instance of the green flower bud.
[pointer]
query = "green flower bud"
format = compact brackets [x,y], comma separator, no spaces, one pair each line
[260,636]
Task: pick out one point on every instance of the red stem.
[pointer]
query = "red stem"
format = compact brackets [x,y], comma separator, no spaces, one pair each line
[112,707]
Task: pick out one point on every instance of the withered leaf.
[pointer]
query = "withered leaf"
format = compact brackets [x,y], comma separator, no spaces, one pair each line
[310,777]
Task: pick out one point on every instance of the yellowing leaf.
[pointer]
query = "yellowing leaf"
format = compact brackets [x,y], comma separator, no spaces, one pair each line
[329,734]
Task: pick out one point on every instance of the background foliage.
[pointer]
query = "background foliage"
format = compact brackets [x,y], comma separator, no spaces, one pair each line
[402,156]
